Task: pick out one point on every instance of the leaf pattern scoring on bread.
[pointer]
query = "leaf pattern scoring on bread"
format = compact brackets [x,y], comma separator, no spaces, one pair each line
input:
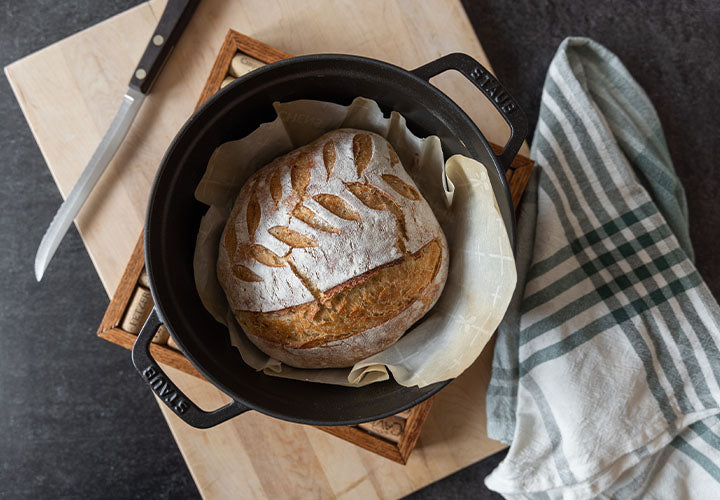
[243,273]
[362,152]
[266,256]
[313,220]
[337,206]
[375,198]
[252,215]
[394,160]
[276,190]
[401,187]
[329,157]
[300,167]
[300,178]
[231,242]
[292,238]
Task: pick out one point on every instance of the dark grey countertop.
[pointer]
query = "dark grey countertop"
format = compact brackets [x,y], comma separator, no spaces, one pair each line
[76,421]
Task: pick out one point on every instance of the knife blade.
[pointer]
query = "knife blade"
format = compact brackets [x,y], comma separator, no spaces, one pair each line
[174,18]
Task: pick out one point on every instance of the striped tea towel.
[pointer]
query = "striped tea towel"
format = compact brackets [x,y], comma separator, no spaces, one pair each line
[606,374]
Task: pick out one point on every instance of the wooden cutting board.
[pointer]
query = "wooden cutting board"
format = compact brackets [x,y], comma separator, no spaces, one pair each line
[69,93]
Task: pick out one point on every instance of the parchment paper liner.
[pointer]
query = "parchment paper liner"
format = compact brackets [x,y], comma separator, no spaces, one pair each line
[481,277]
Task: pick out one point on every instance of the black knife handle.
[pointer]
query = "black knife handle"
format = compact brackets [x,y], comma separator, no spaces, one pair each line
[174,18]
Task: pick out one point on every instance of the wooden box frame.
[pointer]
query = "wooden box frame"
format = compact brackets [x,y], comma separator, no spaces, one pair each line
[392,437]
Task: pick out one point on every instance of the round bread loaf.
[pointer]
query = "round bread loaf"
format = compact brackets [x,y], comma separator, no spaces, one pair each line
[331,253]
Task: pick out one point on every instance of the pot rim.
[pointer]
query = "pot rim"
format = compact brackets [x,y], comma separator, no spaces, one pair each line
[181,139]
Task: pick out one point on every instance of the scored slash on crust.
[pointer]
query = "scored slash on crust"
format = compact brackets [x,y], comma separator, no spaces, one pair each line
[394,160]
[400,187]
[244,273]
[377,199]
[253,215]
[313,220]
[276,187]
[337,206]
[362,152]
[329,157]
[292,238]
[300,175]
[266,256]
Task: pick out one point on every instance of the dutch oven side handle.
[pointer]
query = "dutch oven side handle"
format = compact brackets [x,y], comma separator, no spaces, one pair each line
[493,90]
[166,390]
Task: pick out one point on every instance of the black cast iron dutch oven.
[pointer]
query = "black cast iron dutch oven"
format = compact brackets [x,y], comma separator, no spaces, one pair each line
[173,219]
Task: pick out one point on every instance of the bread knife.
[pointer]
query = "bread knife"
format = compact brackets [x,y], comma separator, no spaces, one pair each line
[173,21]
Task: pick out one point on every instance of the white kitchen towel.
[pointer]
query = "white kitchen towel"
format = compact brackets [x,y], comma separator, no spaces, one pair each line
[606,371]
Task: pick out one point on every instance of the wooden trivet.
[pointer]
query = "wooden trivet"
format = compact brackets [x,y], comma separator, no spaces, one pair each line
[392,437]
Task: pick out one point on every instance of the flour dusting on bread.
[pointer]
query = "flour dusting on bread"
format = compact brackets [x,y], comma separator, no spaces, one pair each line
[327,243]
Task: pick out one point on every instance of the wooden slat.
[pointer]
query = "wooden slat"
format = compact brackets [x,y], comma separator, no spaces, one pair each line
[121,298]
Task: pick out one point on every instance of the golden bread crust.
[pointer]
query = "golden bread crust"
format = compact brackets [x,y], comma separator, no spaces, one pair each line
[330,252]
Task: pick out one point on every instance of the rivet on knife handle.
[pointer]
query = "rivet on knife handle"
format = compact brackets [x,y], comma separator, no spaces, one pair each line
[174,18]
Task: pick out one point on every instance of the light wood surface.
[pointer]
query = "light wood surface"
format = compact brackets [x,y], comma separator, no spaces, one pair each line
[252,456]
